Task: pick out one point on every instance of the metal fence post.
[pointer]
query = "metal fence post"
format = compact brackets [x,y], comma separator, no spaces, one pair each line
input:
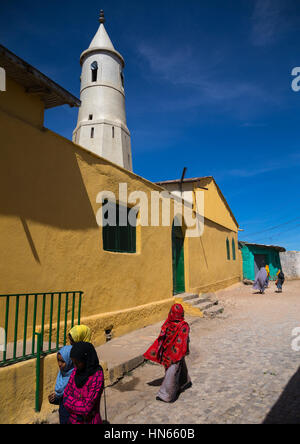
[38,369]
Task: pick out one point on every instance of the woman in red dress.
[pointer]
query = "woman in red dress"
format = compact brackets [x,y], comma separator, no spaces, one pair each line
[170,349]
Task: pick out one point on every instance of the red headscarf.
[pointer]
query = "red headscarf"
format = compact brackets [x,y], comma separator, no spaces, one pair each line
[172,344]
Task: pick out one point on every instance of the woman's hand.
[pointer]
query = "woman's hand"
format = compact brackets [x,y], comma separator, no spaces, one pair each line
[51,397]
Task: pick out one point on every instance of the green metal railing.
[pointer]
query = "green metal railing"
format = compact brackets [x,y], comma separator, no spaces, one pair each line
[46,310]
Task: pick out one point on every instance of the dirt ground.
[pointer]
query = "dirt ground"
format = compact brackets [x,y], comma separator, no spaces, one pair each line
[242,366]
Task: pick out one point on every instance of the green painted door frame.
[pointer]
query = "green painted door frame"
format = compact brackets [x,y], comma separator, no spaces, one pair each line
[178,260]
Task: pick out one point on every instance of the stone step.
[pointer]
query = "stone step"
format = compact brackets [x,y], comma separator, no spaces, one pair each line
[204,300]
[205,305]
[208,295]
[201,300]
[186,296]
[213,311]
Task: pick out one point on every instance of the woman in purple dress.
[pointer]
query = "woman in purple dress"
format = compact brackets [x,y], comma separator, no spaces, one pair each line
[260,280]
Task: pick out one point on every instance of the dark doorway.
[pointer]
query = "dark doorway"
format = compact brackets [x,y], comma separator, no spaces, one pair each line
[260,260]
[178,259]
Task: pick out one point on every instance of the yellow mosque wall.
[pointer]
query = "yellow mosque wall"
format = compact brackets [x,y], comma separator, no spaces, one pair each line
[16,102]
[208,266]
[211,269]
[216,208]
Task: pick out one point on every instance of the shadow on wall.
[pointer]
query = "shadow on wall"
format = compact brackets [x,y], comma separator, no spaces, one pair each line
[30,240]
[287,408]
[40,180]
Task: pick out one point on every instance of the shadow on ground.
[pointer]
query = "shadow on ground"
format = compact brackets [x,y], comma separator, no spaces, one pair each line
[287,409]
[127,386]
[156,382]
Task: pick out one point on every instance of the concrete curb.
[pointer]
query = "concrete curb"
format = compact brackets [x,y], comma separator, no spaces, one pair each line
[119,371]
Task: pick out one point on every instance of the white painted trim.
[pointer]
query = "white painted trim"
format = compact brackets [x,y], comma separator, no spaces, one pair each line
[99,49]
[107,85]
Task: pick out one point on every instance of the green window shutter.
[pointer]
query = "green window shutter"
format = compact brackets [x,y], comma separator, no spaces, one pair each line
[132,235]
[233,249]
[120,239]
[228,249]
[109,234]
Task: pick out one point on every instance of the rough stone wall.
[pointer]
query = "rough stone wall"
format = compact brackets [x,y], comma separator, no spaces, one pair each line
[290,262]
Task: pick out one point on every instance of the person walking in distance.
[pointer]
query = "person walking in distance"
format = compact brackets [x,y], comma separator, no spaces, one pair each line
[280,280]
[260,280]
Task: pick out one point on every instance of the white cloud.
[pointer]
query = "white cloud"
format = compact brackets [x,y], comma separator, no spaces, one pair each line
[289,161]
[200,74]
[267,22]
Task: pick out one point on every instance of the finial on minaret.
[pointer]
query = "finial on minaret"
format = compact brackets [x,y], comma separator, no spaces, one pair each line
[102,18]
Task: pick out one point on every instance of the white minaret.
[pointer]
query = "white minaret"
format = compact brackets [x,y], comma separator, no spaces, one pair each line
[101,125]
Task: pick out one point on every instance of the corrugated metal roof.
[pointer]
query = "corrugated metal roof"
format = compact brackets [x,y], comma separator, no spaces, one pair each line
[34,81]
[275,247]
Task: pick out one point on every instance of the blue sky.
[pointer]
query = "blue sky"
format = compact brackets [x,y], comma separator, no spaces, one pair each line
[208,87]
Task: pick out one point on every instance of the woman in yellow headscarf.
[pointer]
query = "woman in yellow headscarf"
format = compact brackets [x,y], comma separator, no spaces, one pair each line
[80,333]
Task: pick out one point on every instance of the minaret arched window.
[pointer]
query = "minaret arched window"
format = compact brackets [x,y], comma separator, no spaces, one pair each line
[122,78]
[94,69]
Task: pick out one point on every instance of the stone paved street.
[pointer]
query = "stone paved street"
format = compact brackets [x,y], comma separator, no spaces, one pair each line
[242,367]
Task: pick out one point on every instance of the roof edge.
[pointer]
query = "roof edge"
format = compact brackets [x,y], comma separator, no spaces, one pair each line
[193,179]
[255,244]
[196,179]
[59,95]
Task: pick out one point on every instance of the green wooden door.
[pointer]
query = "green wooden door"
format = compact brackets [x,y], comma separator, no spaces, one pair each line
[178,260]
